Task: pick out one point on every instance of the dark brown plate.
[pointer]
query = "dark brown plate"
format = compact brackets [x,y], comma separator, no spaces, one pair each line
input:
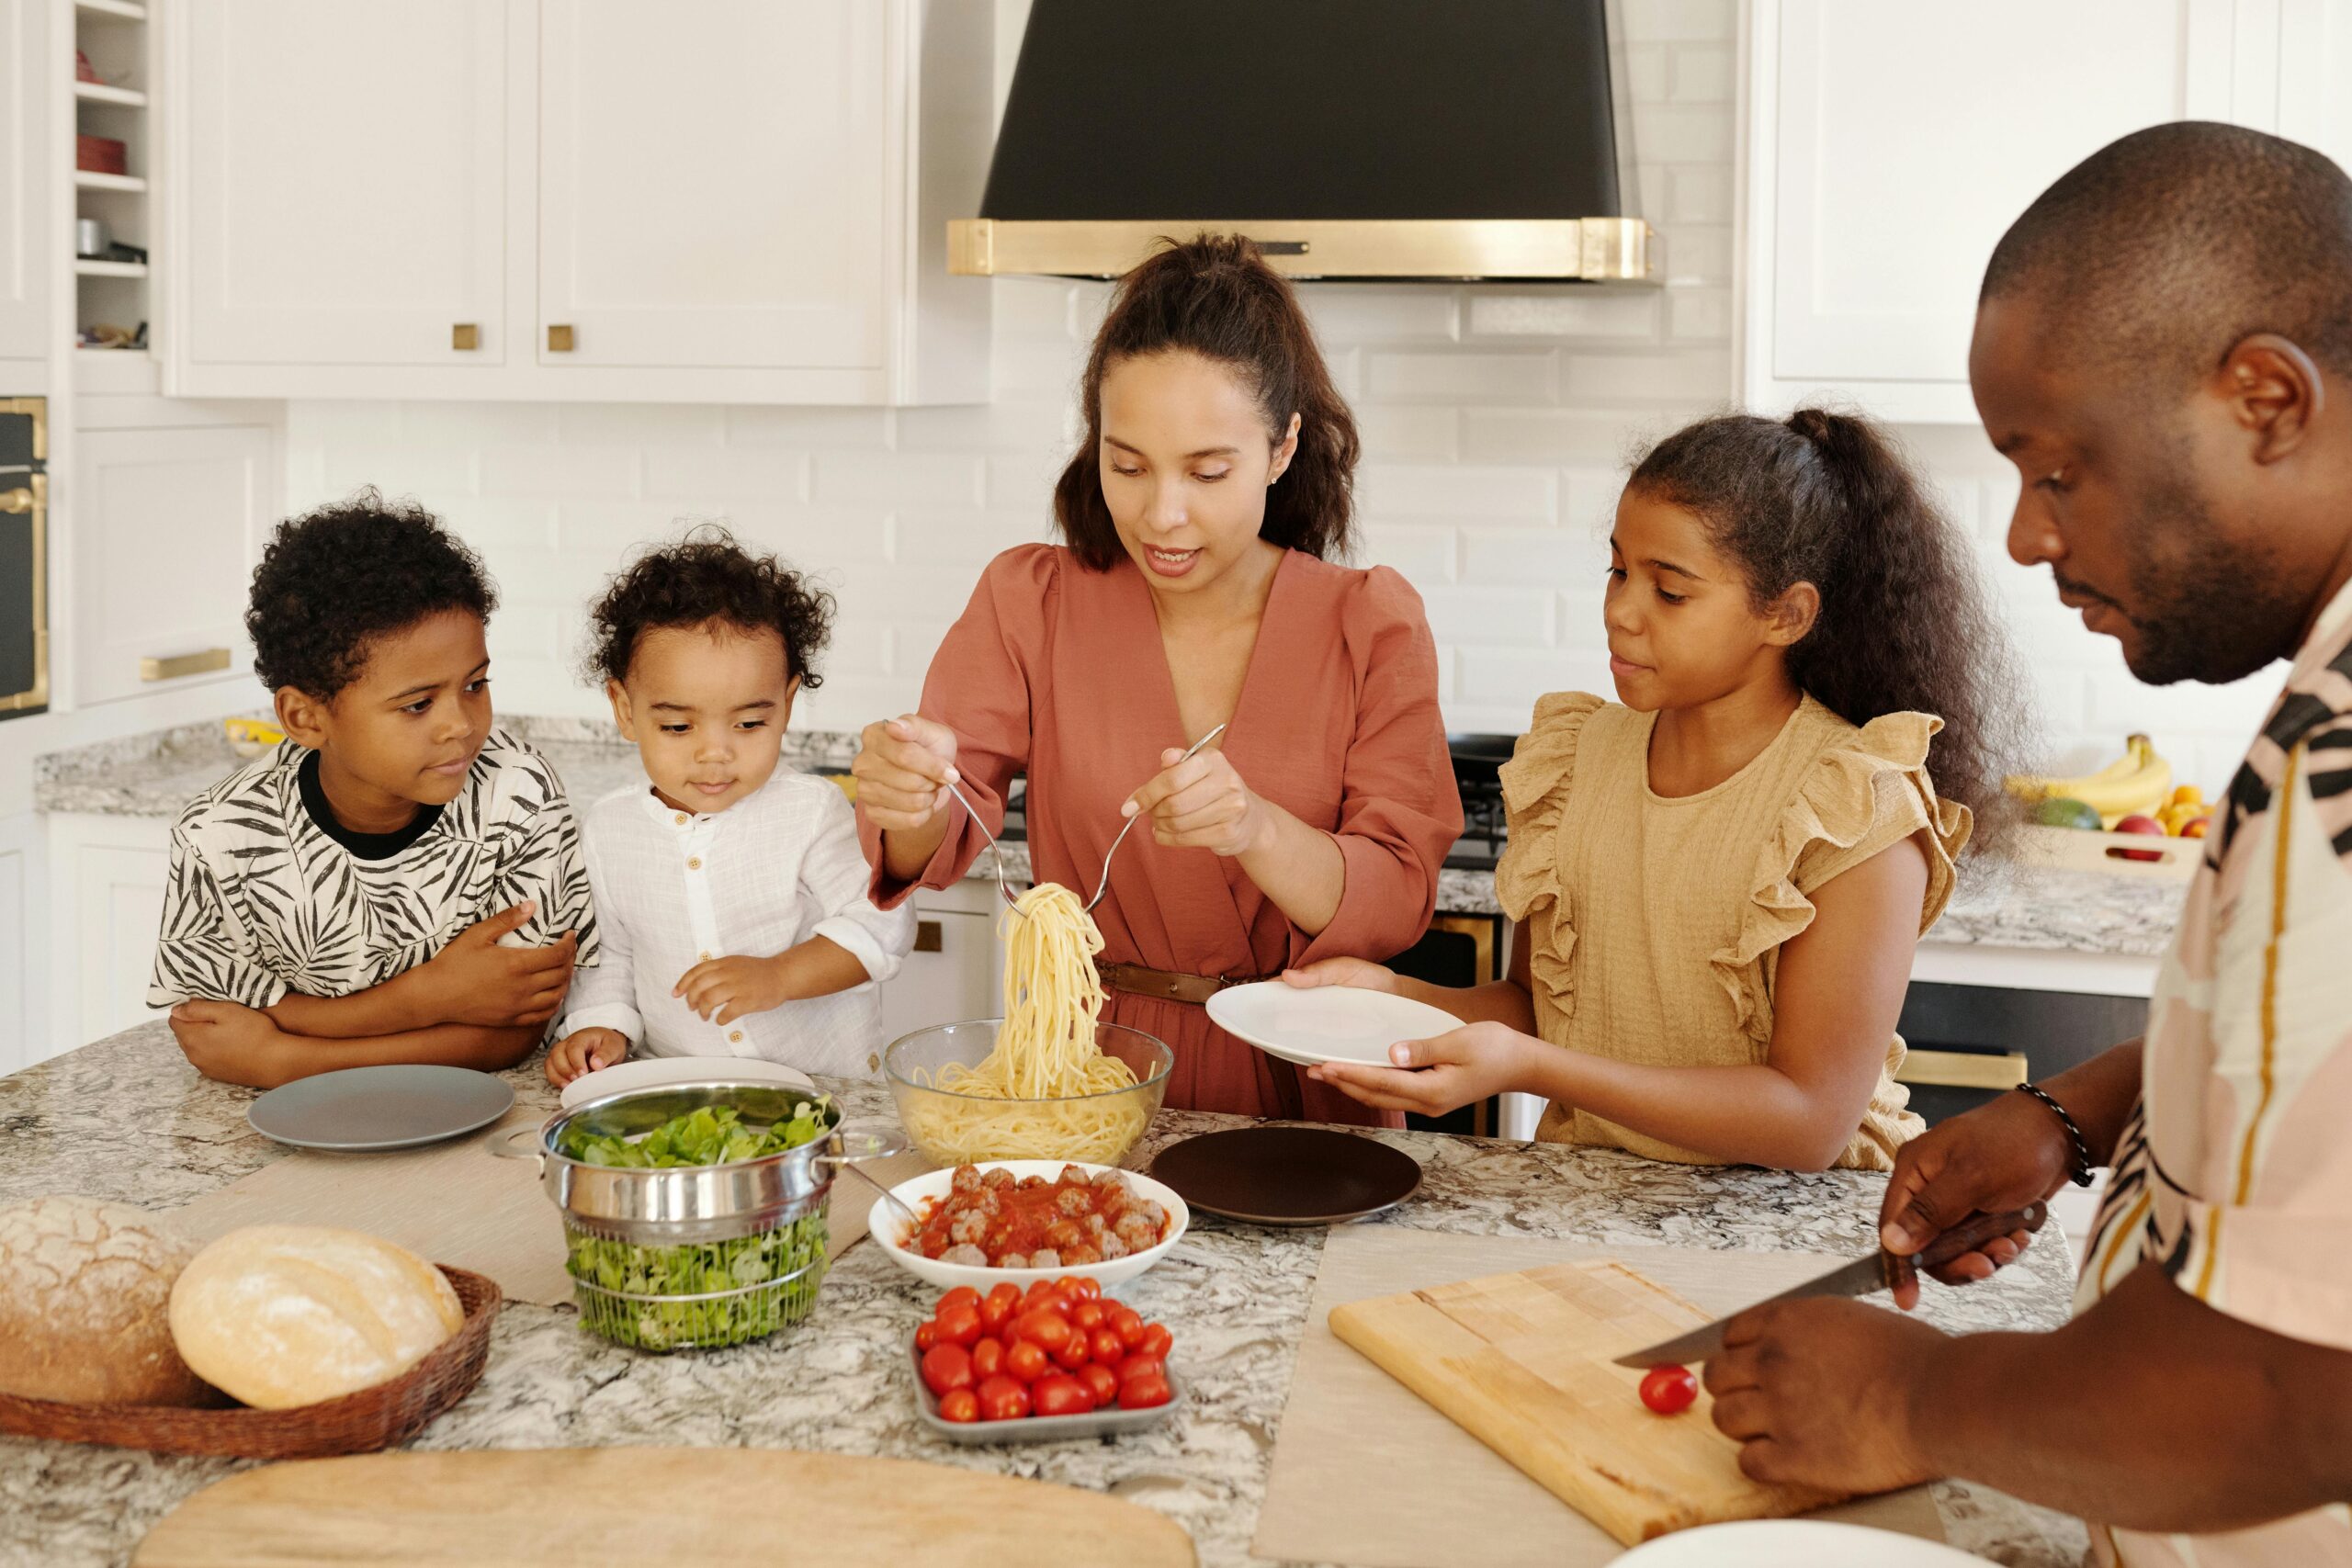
[1288,1176]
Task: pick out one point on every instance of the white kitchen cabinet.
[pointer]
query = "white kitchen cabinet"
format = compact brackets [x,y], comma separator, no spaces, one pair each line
[107,876]
[28,233]
[1889,146]
[2315,75]
[346,180]
[164,523]
[746,202]
[19,879]
[957,969]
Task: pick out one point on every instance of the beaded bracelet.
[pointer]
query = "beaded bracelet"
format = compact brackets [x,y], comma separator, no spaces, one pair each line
[2081,1175]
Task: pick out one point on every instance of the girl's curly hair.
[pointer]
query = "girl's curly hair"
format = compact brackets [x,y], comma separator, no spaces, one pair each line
[704,578]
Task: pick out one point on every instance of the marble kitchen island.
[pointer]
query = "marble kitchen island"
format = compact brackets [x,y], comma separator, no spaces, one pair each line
[128,1119]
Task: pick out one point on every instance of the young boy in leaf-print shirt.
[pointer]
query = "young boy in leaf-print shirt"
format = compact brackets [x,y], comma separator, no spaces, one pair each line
[398,882]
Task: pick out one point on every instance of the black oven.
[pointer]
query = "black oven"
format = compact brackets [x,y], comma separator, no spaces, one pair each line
[24,557]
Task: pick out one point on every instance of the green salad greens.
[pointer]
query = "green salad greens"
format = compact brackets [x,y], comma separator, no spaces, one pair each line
[777,1272]
[711,1135]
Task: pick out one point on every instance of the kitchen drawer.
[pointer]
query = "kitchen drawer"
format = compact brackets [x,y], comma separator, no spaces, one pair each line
[956,970]
[2053,1031]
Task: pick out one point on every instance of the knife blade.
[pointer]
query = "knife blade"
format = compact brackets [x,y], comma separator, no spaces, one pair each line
[1880,1270]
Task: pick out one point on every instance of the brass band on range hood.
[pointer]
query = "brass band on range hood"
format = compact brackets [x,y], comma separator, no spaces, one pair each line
[1594,250]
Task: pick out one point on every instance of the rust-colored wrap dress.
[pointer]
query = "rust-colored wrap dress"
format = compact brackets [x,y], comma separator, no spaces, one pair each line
[1058,671]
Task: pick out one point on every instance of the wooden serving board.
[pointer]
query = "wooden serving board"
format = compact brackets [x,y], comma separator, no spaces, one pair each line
[1472,1495]
[563,1508]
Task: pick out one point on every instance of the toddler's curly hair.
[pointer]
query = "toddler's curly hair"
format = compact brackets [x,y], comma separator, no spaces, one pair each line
[706,578]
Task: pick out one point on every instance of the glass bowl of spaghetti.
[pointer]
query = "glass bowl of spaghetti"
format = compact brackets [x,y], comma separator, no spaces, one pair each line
[957,1113]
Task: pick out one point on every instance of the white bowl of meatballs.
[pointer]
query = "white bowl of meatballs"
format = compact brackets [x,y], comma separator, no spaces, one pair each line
[1019,1221]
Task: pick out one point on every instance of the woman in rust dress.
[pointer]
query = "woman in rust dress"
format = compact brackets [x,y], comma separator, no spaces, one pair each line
[1192,589]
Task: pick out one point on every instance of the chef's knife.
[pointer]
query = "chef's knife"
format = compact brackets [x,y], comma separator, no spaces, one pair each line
[1880,1270]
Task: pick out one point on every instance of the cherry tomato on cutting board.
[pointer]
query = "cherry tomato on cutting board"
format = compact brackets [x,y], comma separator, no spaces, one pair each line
[1669,1389]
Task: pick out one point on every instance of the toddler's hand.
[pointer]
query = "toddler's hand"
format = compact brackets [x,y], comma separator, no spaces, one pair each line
[583,1052]
[903,767]
[724,990]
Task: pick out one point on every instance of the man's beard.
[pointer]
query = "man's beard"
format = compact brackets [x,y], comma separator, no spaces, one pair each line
[2209,610]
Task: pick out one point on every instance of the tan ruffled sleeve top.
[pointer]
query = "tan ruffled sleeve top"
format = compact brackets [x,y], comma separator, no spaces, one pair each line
[1654,925]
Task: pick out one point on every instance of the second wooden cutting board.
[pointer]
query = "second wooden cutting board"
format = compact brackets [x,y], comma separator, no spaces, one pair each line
[1524,1363]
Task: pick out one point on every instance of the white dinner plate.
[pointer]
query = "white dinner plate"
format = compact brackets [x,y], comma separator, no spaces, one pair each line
[887,1226]
[660,1072]
[1328,1023]
[1793,1543]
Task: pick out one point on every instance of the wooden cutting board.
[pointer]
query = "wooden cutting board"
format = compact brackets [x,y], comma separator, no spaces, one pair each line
[563,1508]
[456,1202]
[1458,1503]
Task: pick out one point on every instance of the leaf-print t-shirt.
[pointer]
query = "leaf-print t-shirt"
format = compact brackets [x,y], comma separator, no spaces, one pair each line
[263,900]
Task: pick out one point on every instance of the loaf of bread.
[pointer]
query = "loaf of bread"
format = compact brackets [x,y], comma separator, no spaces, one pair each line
[84,1291]
[279,1316]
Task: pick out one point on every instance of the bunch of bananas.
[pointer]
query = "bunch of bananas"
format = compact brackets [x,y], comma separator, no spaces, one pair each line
[2139,783]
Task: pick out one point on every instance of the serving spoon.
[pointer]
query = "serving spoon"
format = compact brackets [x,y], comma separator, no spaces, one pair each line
[1102,884]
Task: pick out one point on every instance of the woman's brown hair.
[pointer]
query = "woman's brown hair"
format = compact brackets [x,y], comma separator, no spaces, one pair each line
[1215,296]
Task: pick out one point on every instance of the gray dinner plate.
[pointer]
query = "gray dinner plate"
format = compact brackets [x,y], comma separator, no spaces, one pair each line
[363,1108]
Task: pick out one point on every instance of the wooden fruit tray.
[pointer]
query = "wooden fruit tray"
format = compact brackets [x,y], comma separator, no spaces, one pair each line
[2082,850]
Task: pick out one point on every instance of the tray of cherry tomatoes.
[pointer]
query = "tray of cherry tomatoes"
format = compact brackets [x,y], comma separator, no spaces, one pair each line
[1055,1361]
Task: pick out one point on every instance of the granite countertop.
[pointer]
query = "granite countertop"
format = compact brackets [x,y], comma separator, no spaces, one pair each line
[2007,906]
[127,1118]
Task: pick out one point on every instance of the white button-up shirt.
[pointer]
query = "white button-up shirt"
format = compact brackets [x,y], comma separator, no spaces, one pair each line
[674,889]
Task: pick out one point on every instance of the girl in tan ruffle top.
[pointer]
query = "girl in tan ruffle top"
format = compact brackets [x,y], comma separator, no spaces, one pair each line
[1719,881]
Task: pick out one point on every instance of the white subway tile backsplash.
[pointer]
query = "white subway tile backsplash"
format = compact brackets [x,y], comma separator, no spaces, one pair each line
[1355,313]
[1549,556]
[1387,491]
[1647,72]
[1411,433]
[1424,553]
[1699,193]
[804,428]
[1704,21]
[914,479]
[1628,314]
[1700,378]
[1703,75]
[1524,378]
[666,424]
[1543,436]
[527,469]
[1698,315]
[755,473]
[941,539]
[1676,133]
[1490,617]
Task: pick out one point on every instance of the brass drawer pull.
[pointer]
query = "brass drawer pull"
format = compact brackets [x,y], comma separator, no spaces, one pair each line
[15,502]
[465,337]
[1964,1069]
[560,340]
[209,659]
[928,936]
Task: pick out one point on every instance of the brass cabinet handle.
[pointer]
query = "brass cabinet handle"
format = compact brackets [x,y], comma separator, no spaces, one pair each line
[465,337]
[16,502]
[927,936]
[184,664]
[560,339]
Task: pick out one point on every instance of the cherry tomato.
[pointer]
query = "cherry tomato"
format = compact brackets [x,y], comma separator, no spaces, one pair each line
[1140,1365]
[1002,1399]
[988,1358]
[1061,1394]
[1107,1348]
[1156,1340]
[946,1368]
[1078,1287]
[1086,1315]
[962,1295]
[926,1335]
[998,1307]
[1101,1381]
[1075,1354]
[1145,1391]
[959,1325]
[960,1404]
[1049,1330]
[1667,1390]
[1025,1362]
[1128,1323]
[1041,1294]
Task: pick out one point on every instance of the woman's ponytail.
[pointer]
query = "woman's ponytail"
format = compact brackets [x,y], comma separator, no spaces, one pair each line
[1826,498]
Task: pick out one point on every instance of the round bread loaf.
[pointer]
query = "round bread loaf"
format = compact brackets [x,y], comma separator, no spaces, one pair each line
[84,1289]
[279,1316]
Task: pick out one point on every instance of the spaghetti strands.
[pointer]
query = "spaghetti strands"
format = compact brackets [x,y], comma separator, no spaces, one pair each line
[1046,1090]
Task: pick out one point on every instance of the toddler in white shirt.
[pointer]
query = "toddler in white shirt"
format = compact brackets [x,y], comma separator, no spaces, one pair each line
[731,891]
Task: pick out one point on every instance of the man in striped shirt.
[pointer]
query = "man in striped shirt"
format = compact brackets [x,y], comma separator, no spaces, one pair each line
[2163,347]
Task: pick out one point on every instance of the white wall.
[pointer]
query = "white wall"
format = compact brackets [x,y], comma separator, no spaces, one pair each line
[1496,424]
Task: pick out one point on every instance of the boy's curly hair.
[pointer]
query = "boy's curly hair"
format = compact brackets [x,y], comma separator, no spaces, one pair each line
[703,578]
[333,581]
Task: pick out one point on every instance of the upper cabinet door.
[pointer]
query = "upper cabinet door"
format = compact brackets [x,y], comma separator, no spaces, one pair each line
[346,175]
[25,230]
[1894,144]
[714,186]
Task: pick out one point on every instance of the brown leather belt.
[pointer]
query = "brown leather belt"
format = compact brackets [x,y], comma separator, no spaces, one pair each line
[1166,986]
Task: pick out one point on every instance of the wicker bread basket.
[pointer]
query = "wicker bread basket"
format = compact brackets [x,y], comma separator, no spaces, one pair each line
[357,1423]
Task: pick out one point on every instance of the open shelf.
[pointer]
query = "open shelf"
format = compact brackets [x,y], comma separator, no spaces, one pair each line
[100,93]
[112,10]
[88,268]
[83,179]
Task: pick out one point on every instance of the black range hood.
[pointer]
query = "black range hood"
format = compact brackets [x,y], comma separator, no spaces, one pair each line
[1352,139]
